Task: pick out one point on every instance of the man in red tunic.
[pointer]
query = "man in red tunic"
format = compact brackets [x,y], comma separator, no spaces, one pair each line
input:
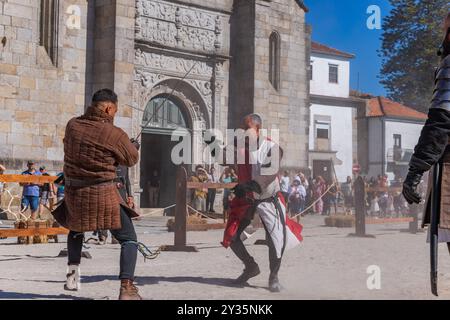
[258,191]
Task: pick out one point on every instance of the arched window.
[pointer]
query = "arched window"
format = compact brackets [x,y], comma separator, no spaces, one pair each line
[164,114]
[274,59]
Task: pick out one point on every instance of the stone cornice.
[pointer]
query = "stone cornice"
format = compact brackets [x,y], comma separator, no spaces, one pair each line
[180,52]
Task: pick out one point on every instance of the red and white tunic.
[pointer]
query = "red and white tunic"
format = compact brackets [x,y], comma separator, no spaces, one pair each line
[284,232]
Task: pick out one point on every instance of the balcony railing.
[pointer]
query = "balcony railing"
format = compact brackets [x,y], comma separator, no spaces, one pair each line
[399,156]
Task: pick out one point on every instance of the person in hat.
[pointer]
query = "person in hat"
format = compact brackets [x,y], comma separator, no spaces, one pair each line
[31,192]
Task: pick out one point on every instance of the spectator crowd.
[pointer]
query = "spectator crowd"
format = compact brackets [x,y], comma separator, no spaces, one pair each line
[35,197]
[303,195]
[312,195]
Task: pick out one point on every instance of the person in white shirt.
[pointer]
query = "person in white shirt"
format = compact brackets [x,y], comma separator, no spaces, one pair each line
[297,198]
[285,183]
[211,197]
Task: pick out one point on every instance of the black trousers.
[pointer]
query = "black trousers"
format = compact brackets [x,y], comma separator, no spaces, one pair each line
[241,252]
[210,198]
[126,237]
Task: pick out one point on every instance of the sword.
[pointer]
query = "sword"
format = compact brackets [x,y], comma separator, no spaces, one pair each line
[434,220]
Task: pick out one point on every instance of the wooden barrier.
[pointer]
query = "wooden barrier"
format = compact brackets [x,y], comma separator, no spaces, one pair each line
[31,231]
[360,209]
[27,178]
[181,208]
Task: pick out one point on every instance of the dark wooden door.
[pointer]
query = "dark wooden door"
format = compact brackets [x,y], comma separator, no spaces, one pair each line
[322,168]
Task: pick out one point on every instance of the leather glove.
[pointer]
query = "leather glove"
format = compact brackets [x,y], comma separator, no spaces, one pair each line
[136,144]
[243,188]
[410,187]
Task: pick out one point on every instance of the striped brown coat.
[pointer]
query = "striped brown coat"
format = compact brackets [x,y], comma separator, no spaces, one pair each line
[93,147]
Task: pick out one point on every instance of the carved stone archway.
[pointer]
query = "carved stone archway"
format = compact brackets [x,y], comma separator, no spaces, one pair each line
[184,93]
[195,113]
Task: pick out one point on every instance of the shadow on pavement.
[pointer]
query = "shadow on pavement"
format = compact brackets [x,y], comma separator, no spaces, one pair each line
[28,296]
[31,280]
[23,256]
[141,281]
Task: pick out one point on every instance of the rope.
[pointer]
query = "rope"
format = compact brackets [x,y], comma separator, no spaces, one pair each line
[202,214]
[159,210]
[147,253]
[9,207]
[312,204]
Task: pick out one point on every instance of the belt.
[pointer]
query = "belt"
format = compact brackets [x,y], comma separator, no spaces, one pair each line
[85,183]
[272,199]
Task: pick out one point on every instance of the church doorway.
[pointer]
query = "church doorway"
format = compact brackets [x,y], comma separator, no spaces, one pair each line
[158,173]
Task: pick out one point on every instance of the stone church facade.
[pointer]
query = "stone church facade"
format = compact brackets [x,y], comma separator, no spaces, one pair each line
[213,60]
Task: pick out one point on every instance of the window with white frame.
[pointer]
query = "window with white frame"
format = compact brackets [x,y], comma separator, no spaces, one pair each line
[322,128]
[333,73]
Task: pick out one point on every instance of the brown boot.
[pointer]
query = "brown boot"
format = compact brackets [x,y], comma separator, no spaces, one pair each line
[128,290]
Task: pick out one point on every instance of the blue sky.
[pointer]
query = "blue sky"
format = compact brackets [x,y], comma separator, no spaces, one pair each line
[342,24]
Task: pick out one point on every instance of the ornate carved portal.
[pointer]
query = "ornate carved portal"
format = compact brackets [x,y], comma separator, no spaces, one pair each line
[189,99]
[173,40]
[179,51]
[178,26]
[205,77]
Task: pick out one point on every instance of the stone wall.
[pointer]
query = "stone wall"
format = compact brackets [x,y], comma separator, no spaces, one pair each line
[37,98]
[242,71]
[287,108]
[230,43]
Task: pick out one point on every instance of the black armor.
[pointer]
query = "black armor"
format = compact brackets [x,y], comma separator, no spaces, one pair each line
[433,152]
[441,94]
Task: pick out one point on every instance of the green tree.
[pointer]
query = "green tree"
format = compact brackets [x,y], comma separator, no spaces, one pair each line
[412,33]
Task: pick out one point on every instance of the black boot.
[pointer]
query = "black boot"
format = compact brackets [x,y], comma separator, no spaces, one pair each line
[251,270]
[274,283]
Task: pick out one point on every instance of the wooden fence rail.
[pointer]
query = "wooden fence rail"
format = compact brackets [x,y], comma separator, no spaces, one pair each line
[27,178]
[360,197]
[181,208]
[34,231]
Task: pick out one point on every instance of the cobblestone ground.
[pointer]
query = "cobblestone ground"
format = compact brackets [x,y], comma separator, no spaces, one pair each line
[328,265]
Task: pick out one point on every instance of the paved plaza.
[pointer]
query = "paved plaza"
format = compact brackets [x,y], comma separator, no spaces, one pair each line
[328,265]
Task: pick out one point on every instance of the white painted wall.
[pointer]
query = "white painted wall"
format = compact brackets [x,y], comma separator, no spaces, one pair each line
[341,135]
[375,135]
[409,131]
[320,84]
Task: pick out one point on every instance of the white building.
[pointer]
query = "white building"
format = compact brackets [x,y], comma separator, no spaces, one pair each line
[332,135]
[391,131]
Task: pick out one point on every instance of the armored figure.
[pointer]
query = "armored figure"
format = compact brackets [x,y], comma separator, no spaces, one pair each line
[432,153]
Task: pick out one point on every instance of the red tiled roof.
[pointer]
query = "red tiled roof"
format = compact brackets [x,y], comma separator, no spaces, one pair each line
[321,48]
[301,3]
[383,107]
